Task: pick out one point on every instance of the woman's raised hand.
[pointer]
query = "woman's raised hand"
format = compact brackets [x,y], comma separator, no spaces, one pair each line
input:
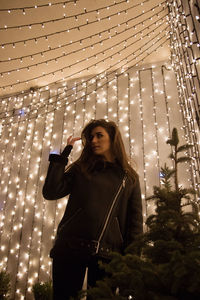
[71,140]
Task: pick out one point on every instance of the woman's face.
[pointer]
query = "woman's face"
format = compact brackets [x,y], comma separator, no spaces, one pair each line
[100,142]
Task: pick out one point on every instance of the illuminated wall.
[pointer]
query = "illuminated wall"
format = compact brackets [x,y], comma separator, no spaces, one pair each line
[142,101]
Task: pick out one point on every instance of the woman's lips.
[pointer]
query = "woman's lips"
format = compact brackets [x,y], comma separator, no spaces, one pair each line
[95,147]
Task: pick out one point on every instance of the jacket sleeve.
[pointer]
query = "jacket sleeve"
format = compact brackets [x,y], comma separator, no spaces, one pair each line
[58,183]
[135,216]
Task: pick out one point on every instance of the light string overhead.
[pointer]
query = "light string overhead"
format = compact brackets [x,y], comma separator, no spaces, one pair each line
[77,27]
[118,22]
[118,51]
[49,4]
[99,34]
[76,16]
[124,42]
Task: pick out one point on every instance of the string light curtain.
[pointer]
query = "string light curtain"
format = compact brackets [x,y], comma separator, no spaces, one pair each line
[184,18]
[145,100]
[142,101]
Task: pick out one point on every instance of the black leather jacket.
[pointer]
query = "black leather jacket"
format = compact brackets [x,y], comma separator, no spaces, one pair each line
[90,199]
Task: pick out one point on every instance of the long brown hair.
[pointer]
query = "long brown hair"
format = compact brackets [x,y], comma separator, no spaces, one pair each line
[88,159]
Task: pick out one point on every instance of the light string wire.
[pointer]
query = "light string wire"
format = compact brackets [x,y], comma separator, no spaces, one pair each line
[163,69]
[84,104]
[95,101]
[34,229]
[192,19]
[75,109]
[130,85]
[12,145]
[142,126]
[10,182]
[8,168]
[111,72]
[9,10]
[167,108]
[117,77]
[40,267]
[107,86]
[27,197]
[78,27]
[155,121]
[76,16]
[92,56]
[129,115]
[3,160]
[11,111]
[64,54]
[51,140]
[84,69]
[80,41]
[91,66]
[143,138]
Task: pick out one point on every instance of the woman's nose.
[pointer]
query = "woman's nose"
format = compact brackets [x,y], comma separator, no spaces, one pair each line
[94,139]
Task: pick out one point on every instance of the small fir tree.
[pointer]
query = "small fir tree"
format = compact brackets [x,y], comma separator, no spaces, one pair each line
[43,291]
[4,285]
[164,262]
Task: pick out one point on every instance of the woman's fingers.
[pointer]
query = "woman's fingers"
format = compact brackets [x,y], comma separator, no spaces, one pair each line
[71,140]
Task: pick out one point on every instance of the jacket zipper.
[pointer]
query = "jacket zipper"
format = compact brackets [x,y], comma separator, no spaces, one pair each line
[122,185]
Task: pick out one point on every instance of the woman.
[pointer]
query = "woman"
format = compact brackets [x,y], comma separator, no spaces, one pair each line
[104,210]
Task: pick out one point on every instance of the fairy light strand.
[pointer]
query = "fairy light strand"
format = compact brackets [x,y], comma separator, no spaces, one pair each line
[78,27]
[77,15]
[18,167]
[96,34]
[92,56]
[64,54]
[10,10]
[155,120]
[108,58]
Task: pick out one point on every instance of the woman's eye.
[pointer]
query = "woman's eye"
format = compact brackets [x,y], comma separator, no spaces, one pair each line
[99,135]
[90,138]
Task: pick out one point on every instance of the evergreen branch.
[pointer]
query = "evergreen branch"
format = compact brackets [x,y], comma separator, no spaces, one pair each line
[184,147]
[187,191]
[152,197]
[171,142]
[171,172]
[183,159]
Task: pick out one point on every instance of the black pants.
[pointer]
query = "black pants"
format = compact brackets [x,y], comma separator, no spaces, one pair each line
[69,273]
